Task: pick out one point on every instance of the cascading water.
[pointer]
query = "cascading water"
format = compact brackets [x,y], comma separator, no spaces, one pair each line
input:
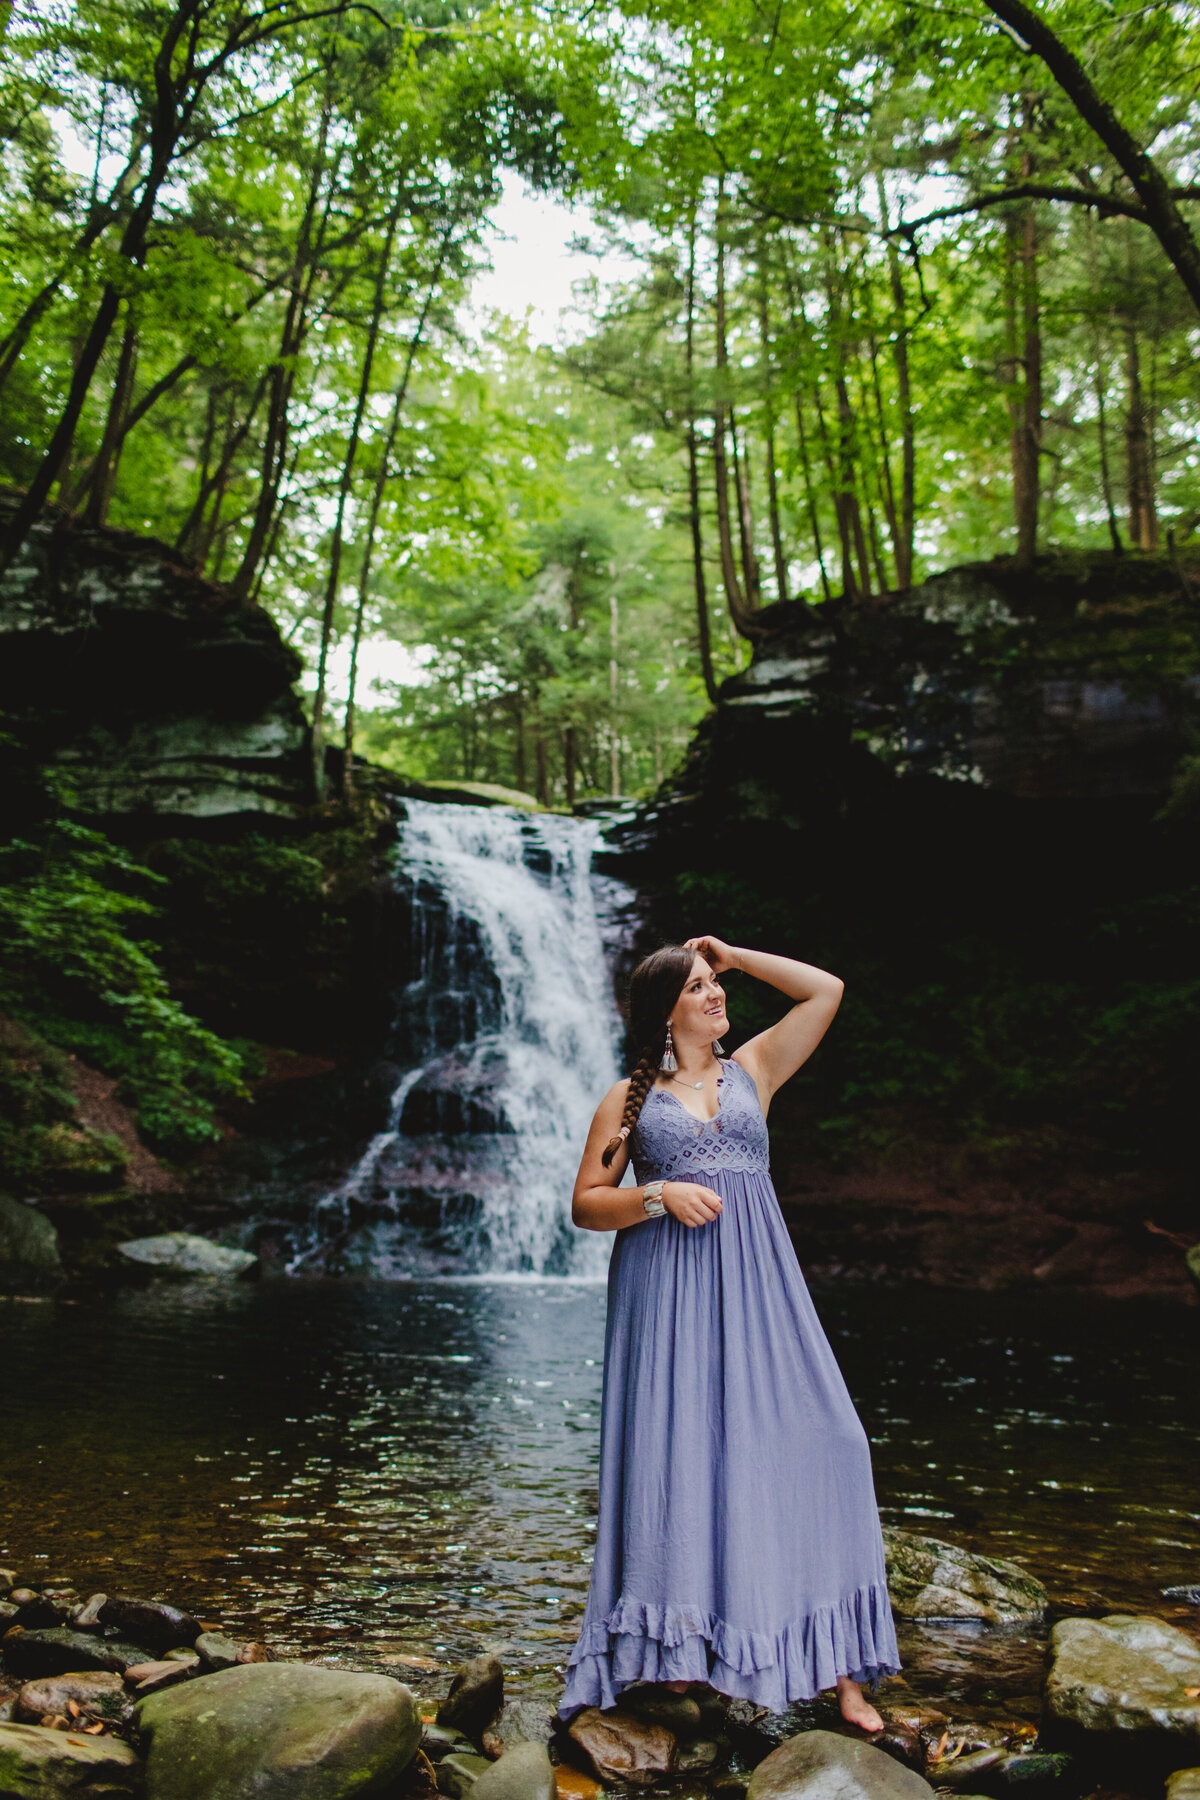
[507,1035]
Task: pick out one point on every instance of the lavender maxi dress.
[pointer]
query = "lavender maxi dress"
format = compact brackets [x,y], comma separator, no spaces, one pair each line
[738,1540]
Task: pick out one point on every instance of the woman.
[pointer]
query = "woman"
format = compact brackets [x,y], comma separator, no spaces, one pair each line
[738,1541]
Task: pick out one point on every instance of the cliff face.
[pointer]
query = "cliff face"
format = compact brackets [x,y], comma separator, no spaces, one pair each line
[955,798]
[155,691]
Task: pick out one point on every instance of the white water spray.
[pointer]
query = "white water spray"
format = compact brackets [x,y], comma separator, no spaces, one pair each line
[511,1036]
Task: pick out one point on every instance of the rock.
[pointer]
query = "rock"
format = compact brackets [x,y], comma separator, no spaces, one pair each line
[183,1253]
[270,1731]
[520,1722]
[964,1771]
[147,1678]
[1184,1784]
[215,1650]
[253,1652]
[151,1622]
[820,1765]
[87,1616]
[621,1747]
[928,1579]
[1040,1772]
[179,1654]
[458,1772]
[37,1610]
[1122,1674]
[476,1696]
[1192,1259]
[440,1740]
[523,1773]
[9,1614]
[36,1764]
[29,1259]
[903,1741]
[700,1756]
[659,1706]
[1189,1594]
[7,1580]
[97,1692]
[59,1651]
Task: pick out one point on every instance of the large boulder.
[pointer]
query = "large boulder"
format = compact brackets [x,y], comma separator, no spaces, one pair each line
[36,1764]
[928,1579]
[183,1253]
[1126,1674]
[821,1765]
[29,1259]
[267,1731]
[622,1747]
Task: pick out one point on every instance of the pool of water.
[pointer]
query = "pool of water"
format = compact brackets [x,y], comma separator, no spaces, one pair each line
[366,1471]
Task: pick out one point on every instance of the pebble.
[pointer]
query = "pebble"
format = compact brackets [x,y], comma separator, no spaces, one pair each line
[87,1616]
[147,1678]
[215,1650]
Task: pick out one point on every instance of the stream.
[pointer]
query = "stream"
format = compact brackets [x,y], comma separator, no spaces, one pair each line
[364,1470]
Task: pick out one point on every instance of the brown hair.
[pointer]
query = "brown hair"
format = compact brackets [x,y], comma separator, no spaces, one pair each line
[654,989]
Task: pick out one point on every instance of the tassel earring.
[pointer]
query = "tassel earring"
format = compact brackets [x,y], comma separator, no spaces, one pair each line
[668,1065]
[718,1049]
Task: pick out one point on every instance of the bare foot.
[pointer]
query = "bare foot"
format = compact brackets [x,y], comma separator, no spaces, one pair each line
[855,1707]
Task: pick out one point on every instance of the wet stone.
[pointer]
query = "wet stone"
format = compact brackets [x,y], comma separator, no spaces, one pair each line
[61,1652]
[7,1580]
[820,1765]
[440,1740]
[520,1722]
[458,1772]
[36,1764]
[679,1713]
[87,1616]
[1189,1594]
[97,1692]
[272,1731]
[1124,1674]
[1039,1773]
[902,1741]
[700,1756]
[1184,1784]
[151,1622]
[475,1698]
[928,1579]
[215,1650]
[9,1614]
[963,1771]
[621,1747]
[523,1773]
[147,1678]
[253,1652]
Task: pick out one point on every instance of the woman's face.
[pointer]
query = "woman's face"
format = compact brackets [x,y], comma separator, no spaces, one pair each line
[700,1010]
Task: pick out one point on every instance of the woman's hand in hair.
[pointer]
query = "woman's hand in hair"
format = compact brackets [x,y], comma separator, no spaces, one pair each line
[719,956]
[690,1203]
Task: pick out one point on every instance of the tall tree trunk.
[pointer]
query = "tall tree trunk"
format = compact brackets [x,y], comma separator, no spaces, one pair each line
[101,480]
[856,568]
[905,533]
[1025,350]
[751,579]
[345,485]
[703,631]
[377,491]
[737,600]
[614,694]
[1139,487]
[764,338]
[810,495]
[1100,389]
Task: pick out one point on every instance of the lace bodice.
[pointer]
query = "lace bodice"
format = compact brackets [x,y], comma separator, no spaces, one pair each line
[669,1142]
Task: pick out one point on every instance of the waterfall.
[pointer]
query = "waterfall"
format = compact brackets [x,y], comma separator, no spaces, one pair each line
[506,1036]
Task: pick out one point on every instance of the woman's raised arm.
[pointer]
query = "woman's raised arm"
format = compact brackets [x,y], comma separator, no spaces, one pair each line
[776,1053]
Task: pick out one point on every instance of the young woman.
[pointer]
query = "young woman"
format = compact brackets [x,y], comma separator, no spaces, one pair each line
[738,1541]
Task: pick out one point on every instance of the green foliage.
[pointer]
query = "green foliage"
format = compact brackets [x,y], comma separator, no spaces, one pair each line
[70,967]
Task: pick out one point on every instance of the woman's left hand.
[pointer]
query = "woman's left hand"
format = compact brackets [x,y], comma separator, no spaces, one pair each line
[719,956]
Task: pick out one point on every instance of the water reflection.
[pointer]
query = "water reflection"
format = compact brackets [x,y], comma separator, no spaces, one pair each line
[368,1471]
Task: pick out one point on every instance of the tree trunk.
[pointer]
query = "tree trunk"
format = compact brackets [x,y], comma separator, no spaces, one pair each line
[906,523]
[101,480]
[764,336]
[739,609]
[1025,392]
[751,579]
[1139,486]
[703,631]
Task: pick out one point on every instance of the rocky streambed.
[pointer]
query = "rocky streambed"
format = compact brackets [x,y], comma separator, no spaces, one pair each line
[118,1696]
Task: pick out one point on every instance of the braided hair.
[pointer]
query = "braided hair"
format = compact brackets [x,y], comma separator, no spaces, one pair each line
[654,989]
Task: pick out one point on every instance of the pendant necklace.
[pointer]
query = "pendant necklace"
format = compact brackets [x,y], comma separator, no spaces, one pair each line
[691,1084]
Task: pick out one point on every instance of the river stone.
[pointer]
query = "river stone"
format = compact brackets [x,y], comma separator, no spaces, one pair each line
[621,1747]
[523,1773]
[458,1772]
[183,1253]
[820,1765]
[97,1692]
[700,1756]
[520,1722]
[61,1652]
[9,1614]
[8,1579]
[1039,1773]
[441,1740]
[29,1259]
[269,1731]
[659,1706]
[1124,1673]
[147,1678]
[1190,1593]
[87,1616]
[36,1764]
[152,1622]
[1184,1784]
[928,1579]
[215,1650]
[476,1696]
